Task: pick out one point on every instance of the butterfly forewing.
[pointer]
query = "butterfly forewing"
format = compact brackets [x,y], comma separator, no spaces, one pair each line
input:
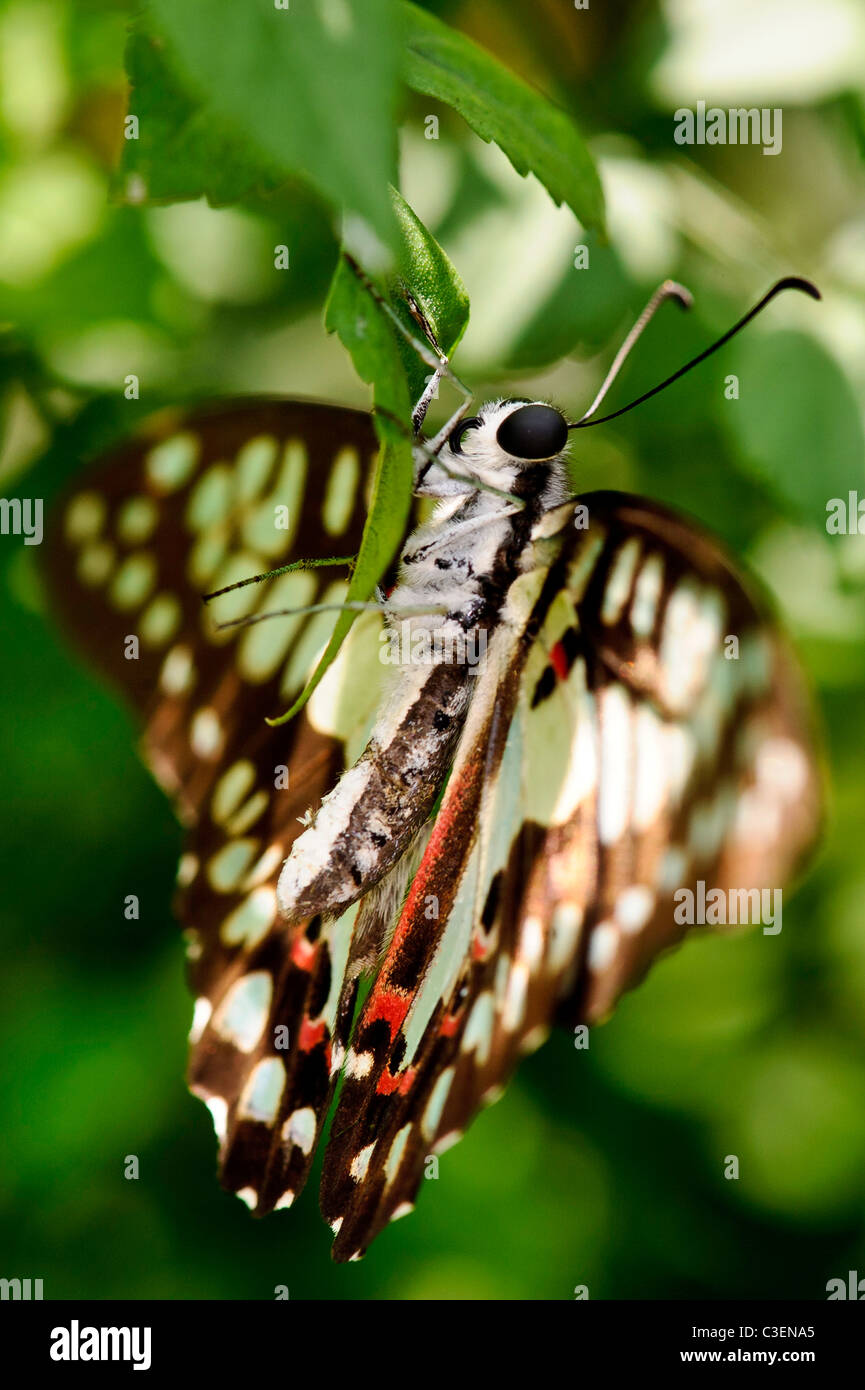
[199,503]
[638,725]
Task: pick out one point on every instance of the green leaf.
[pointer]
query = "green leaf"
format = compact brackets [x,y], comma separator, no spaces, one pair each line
[308,90]
[427,273]
[364,314]
[354,311]
[537,137]
[364,327]
[796,424]
[433,281]
[183,149]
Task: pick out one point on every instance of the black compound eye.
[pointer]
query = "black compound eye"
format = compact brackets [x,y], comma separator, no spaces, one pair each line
[533,432]
[455,439]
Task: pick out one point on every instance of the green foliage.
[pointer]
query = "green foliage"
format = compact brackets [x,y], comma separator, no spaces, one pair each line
[233,99]
[184,148]
[809,451]
[285,82]
[536,136]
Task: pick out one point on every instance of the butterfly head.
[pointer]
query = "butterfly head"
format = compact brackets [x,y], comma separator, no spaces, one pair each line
[511,446]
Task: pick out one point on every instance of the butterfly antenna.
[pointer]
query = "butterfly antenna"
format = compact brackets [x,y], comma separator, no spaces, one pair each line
[274,574]
[671,290]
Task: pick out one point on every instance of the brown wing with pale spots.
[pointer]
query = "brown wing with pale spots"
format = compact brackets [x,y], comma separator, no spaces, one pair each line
[187,508]
[646,764]
[193,506]
[703,711]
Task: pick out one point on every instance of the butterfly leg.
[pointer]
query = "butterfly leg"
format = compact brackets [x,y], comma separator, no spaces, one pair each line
[430,393]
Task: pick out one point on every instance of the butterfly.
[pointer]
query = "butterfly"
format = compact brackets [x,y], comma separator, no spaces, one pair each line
[568,710]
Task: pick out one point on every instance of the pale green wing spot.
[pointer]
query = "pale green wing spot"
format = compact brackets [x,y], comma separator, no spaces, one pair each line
[178,671]
[133,581]
[436,1103]
[136,520]
[206,734]
[560,733]
[253,466]
[502,805]
[170,464]
[755,663]
[582,569]
[647,595]
[263,528]
[160,620]
[397,1149]
[478,1032]
[311,643]
[229,864]
[85,517]
[95,563]
[676,654]
[260,526]
[619,583]
[260,1097]
[212,498]
[206,556]
[724,680]
[263,647]
[251,920]
[242,1014]
[693,623]
[719,694]
[264,867]
[341,489]
[249,812]
[231,789]
[339,941]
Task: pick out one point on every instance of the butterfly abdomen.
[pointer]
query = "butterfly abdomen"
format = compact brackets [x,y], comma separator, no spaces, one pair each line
[367,822]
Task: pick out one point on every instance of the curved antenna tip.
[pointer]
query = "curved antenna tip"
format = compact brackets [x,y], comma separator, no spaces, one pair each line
[796,282]
[671,289]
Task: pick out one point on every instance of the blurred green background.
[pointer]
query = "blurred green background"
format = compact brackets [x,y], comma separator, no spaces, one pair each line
[602,1168]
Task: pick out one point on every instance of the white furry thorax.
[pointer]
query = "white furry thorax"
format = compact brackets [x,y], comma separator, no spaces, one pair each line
[448,559]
